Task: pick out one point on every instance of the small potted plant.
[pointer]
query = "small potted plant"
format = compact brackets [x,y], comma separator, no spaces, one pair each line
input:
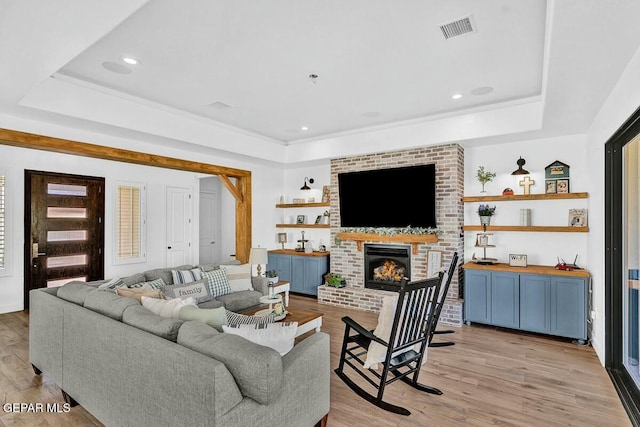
[484,176]
[486,212]
[272,276]
[335,280]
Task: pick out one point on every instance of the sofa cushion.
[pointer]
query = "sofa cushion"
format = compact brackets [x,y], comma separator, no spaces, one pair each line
[239,277]
[141,318]
[108,304]
[278,336]
[208,267]
[214,303]
[164,274]
[214,317]
[167,308]
[138,293]
[186,276]
[75,292]
[198,290]
[257,370]
[218,282]
[239,301]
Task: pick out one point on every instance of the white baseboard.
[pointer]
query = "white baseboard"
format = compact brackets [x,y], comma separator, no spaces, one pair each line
[10,308]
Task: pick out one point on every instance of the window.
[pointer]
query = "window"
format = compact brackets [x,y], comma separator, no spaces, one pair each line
[3,224]
[130,223]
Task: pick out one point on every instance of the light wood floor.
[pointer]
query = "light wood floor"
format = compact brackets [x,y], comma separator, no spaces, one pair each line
[489,377]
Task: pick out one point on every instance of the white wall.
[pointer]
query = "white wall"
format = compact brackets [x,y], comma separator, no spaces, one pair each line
[540,248]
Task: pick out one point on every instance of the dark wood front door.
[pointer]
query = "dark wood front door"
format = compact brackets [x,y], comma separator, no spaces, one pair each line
[64,229]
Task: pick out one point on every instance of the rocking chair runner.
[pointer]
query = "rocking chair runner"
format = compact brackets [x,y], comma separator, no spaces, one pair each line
[413,321]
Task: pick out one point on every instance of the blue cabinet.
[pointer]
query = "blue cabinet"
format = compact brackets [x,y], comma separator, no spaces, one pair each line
[547,303]
[304,272]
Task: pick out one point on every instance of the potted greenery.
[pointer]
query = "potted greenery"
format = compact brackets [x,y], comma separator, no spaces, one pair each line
[335,280]
[272,276]
[486,212]
[484,176]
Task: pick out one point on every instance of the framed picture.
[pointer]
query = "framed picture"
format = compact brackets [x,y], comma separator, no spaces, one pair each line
[550,186]
[301,219]
[517,260]
[483,240]
[298,200]
[577,217]
[562,186]
[282,237]
[326,193]
[318,219]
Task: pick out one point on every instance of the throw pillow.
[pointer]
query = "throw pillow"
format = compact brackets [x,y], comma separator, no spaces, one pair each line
[218,282]
[167,308]
[138,293]
[235,319]
[239,277]
[153,284]
[214,317]
[278,336]
[186,276]
[111,285]
[198,289]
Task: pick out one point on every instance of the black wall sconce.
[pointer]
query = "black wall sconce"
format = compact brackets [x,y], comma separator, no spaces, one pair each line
[306,186]
[520,171]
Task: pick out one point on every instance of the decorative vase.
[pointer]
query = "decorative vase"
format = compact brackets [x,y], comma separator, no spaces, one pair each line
[273,280]
[485,220]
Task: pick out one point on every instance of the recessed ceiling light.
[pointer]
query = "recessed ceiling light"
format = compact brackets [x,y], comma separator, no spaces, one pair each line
[130,60]
[456,96]
[482,90]
[304,128]
[116,67]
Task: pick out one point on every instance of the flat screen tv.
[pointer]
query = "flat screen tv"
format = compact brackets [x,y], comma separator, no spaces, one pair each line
[397,197]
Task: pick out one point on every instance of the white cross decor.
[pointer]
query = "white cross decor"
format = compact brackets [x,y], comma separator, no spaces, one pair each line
[527,183]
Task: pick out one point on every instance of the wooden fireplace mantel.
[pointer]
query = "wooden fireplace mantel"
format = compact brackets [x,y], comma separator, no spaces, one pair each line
[413,239]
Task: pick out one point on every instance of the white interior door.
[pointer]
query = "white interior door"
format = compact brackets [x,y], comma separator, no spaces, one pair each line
[209,249]
[178,226]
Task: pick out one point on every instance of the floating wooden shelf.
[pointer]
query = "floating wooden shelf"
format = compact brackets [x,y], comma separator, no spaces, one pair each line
[413,239]
[303,205]
[302,225]
[534,228]
[501,198]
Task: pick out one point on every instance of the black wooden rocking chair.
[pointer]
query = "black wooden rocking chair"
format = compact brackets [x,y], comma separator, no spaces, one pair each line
[412,324]
[441,299]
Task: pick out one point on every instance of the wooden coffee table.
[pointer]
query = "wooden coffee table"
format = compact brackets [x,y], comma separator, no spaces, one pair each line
[307,320]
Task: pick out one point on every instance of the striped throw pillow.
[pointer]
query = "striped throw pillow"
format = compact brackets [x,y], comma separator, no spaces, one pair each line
[153,284]
[235,319]
[218,282]
[239,277]
[186,276]
[279,336]
[111,285]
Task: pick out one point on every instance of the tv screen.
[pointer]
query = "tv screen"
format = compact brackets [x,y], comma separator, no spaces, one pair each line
[397,197]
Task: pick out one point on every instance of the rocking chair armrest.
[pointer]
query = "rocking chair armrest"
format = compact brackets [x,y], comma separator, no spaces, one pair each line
[362,331]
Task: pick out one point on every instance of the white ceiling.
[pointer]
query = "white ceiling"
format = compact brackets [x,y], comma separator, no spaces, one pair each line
[380,65]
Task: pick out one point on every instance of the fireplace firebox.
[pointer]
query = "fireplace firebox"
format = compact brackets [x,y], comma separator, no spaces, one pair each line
[386,265]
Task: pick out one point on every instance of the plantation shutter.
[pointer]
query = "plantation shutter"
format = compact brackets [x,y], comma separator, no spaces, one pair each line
[128,245]
[3,235]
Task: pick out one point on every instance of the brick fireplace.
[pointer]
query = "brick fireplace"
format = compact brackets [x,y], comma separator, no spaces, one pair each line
[347,256]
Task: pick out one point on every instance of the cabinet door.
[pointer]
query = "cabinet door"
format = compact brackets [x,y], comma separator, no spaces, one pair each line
[297,274]
[282,264]
[569,307]
[505,299]
[477,296]
[535,303]
[312,276]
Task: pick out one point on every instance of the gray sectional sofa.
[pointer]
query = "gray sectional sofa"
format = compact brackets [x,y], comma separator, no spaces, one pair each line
[130,367]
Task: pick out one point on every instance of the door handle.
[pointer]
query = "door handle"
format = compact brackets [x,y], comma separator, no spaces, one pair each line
[168,247]
[34,251]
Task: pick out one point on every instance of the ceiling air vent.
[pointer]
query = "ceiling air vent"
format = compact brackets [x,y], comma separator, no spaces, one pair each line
[458,27]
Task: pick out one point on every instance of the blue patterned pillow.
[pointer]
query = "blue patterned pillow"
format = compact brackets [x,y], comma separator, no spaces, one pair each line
[186,276]
[218,282]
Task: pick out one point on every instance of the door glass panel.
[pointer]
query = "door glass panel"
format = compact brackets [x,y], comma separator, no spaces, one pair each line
[66,235]
[60,282]
[631,285]
[66,190]
[56,212]
[66,261]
